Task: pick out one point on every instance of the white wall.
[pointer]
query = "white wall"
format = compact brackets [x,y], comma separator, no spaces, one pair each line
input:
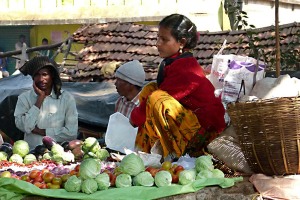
[263,14]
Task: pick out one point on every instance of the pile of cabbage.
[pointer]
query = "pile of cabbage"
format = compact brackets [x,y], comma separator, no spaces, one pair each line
[204,169]
[132,173]
[18,153]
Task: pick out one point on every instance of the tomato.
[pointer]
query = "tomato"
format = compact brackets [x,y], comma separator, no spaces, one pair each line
[37,184]
[112,179]
[178,169]
[6,174]
[45,171]
[34,173]
[175,178]
[43,186]
[38,179]
[25,178]
[54,186]
[65,177]
[73,172]
[77,168]
[166,165]
[48,176]
[56,181]
[48,185]
[152,170]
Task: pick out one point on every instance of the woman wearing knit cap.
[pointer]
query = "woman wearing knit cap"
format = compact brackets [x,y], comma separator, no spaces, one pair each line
[179,112]
[45,110]
[130,80]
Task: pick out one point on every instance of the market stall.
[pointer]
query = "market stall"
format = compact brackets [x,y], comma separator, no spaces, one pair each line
[60,171]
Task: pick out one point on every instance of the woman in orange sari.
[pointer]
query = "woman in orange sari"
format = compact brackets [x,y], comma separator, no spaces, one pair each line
[180,111]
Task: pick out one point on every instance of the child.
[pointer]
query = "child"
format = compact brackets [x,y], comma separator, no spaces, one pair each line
[179,112]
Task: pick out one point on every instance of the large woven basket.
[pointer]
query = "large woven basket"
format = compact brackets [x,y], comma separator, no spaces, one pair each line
[269,134]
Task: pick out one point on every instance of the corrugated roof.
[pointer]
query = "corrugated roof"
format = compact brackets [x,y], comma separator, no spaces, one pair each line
[117,42]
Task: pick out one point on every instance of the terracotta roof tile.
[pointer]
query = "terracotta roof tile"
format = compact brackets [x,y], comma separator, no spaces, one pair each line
[123,42]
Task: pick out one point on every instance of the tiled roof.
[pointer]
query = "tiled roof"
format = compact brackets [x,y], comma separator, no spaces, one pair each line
[110,44]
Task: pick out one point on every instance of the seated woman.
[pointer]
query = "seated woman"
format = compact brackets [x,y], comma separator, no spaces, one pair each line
[180,110]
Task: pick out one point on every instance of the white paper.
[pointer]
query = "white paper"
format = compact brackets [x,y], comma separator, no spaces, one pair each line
[120,134]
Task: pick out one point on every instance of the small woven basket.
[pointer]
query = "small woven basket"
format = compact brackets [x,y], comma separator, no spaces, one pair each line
[269,134]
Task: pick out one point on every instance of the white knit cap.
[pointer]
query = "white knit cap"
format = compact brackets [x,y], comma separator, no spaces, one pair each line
[132,72]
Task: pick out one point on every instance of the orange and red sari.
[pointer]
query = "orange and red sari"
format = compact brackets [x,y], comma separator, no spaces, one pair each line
[176,127]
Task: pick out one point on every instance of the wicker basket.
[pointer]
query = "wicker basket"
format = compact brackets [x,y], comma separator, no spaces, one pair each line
[269,133]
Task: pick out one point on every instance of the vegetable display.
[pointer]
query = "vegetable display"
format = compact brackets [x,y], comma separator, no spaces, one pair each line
[58,166]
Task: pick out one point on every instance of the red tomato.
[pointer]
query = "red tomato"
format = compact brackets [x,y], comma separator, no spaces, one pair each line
[43,186]
[175,178]
[178,169]
[37,184]
[73,172]
[112,179]
[34,173]
[38,179]
[152,170]
[77,168]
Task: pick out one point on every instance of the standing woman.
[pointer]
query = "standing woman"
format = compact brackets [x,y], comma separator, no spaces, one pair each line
[179,112]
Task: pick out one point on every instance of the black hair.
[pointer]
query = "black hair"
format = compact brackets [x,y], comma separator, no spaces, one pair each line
[181,27]
[44,40]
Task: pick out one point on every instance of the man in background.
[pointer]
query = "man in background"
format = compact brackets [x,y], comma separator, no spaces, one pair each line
[46,52]
[130,78]
[21,45]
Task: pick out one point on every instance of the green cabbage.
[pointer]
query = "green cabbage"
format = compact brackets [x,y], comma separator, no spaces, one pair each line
[123,180]
[204,174]
[47,156]
[132,164]
[143,179]
[16,158]
[204,163]
[102,154]
[3,155]
[103,181]
[163,178]
[73,184]
[89,168]
[68,157]
[89,186]
[217,173]
[187,176]
[29,158]
[57,149]
[91,144]
[21,147]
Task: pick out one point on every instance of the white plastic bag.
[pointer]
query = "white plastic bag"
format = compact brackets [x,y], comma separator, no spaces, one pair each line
[241,77]
[120,134]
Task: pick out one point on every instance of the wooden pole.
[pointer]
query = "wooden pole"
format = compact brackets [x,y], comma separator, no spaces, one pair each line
[277,38]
